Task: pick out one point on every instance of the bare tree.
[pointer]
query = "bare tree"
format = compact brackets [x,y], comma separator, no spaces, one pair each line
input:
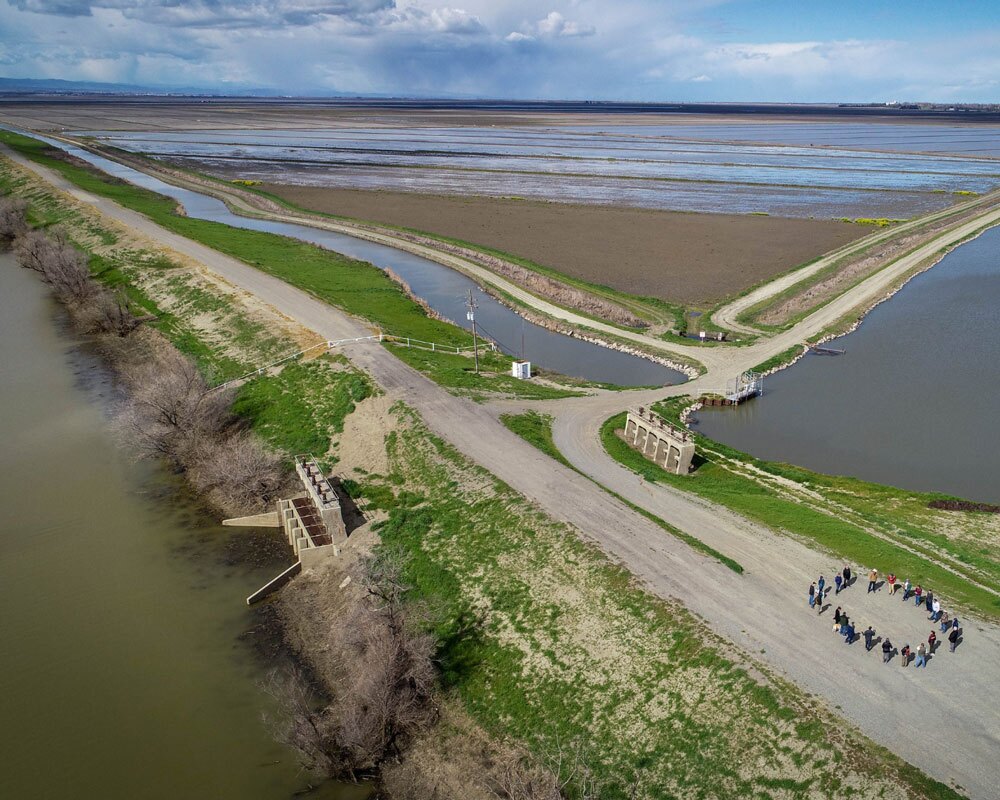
[60,264]
[237,471]
[171,411]
[13,218]
[112,315]
[385,696]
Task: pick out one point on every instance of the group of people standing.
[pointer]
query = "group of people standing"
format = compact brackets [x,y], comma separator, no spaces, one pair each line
[842,624]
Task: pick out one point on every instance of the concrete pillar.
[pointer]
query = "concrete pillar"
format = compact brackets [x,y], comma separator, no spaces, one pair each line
[661,453]
[630,430]
[673,459]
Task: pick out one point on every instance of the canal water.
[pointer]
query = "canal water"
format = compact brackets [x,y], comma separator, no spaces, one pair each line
[444,290]
[123,672]
[915,401]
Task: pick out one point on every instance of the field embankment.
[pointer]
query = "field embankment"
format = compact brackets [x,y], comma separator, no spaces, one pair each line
[675,257]
[860,522]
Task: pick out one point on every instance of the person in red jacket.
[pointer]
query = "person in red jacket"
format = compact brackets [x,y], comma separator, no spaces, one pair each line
[931,641]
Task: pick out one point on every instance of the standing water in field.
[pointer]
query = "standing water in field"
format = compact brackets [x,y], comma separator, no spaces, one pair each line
[123,672]
[914,402]
[442,288]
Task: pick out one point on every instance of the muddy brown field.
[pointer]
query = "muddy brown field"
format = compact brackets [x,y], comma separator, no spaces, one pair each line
[680,257]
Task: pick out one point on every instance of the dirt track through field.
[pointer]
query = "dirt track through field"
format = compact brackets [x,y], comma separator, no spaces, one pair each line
[943,719]
[674,256]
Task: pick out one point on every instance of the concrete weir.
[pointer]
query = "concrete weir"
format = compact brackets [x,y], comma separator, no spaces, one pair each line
[662,443]
[313,524]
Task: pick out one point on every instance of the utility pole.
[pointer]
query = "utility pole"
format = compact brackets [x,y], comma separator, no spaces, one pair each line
[471,306]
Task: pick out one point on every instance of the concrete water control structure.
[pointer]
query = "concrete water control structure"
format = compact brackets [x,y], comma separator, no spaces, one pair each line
[313,524]
[662,443]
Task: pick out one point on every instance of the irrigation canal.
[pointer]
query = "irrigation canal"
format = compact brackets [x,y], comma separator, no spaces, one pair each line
[444,289]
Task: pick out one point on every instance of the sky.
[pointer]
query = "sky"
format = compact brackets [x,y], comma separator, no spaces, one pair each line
[636,50]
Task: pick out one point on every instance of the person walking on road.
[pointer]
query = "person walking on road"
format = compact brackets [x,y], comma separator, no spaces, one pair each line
[953,639]
[931,641]
[929,600]
[849,639]
[812,594]
[886,650]
[872,580]
[917,594]
[921,656]
[838,580]
[936,610]
[945,621]
[838,615]
[847,576]
[904,655]
[891,580]
[844,622]
[869,635]
[906,590]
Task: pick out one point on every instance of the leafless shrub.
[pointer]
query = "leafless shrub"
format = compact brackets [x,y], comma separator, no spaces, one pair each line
[517,775]
[237,471]
[385,695]
[171,411]
[112,315]
[13,218]
[107,313]
[60,264]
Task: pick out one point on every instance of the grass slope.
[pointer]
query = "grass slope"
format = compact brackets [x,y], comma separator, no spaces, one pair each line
[847,535]
[546,642]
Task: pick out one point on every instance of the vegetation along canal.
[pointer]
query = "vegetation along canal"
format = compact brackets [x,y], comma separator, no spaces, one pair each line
[123,669]
[914,400]
[442,288]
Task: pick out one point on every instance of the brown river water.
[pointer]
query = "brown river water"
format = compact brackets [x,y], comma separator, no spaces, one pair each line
[123,672]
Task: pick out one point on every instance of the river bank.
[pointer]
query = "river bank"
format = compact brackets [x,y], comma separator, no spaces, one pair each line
[135,668]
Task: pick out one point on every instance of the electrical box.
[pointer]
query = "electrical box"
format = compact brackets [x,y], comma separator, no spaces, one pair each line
[521,370]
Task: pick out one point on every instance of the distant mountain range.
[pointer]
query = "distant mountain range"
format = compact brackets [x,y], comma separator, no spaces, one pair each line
[54,86]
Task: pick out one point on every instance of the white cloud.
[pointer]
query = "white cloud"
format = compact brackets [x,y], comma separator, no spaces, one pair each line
[436,20]
[553,26]
[629,49]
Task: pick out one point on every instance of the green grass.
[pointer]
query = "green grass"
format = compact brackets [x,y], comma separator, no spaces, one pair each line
[355,286]
[781,359]
[536,429]
[301,408]
[845,535]
[458,372]
[545,642]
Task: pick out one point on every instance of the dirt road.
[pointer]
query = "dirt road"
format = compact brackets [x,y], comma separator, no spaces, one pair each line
[727,316]
[943,719]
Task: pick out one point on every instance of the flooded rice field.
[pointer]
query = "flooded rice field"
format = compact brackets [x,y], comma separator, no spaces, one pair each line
[914,401]
[443,289]
[666,167]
